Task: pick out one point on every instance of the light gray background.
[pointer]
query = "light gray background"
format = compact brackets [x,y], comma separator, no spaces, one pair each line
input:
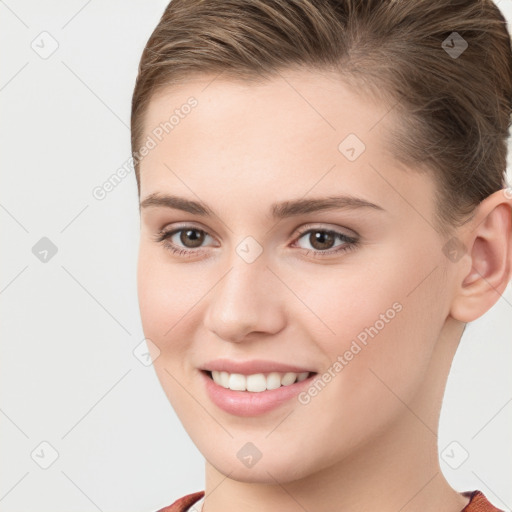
[69,326]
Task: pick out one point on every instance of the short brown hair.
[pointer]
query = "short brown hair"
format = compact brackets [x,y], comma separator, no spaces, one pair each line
[455,110]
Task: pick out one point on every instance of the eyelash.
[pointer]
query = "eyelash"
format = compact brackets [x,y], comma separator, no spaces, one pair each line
[350,243]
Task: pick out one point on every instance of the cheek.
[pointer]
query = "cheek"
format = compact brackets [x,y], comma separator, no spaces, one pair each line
[386,320]
[166,295]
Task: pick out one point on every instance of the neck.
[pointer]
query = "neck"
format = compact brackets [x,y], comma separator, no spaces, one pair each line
[398,471]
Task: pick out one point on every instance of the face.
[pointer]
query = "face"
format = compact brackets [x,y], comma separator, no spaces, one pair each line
[353,289]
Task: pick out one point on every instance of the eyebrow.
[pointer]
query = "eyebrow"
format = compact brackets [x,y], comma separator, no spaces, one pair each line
[279,210]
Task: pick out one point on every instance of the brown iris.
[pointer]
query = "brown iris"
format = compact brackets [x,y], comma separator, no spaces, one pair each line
[196,236]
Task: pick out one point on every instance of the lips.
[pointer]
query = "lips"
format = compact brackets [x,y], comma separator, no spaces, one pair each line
[245,403]
[252,367]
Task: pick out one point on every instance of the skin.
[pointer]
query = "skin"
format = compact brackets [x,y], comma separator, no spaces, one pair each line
[368,440]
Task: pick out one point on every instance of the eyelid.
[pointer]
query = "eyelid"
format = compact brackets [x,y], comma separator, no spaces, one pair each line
[298,232]
[349,233]
[170,231]
[164,235]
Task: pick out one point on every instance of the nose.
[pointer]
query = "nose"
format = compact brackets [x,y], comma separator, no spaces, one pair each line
[246,301]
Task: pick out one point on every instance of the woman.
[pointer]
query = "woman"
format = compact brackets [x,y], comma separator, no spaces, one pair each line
[323,210]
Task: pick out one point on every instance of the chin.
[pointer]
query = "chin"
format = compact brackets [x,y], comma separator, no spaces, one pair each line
[277,465]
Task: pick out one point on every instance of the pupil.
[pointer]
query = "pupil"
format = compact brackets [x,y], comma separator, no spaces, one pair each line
[196,240]
[321,238]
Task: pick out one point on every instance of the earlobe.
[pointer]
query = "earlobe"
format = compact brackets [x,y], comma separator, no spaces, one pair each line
[485,270]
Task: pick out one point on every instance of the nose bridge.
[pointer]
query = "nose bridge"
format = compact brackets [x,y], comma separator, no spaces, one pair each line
[247,278]
[248,272]
[243,300]
[243,289]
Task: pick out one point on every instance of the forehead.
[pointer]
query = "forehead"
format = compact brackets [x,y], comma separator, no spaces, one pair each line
[305,103]
[285,132]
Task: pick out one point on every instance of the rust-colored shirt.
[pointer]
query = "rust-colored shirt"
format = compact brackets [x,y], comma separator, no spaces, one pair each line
[477,503]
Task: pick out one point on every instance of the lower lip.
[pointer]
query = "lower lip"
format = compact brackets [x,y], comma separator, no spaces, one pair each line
[247,403]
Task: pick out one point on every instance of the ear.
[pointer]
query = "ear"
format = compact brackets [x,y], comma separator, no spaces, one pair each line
[485,268]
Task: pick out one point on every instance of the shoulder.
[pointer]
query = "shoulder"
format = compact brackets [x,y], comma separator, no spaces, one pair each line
[479,503]
[182,504]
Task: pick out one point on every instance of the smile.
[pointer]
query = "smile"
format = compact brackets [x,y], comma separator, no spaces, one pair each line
[253,399]
[257,382]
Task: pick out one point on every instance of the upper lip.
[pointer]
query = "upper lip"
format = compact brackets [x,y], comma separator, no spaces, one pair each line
[252,367]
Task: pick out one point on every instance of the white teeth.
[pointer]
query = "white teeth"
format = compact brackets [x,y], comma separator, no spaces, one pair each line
[288,378]
[224,379]
[273,380]
[302,376]
[257,382]
[237,382]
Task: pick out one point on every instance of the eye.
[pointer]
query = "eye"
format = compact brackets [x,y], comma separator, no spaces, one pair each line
[321,241]
[184,240]
[189,240]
